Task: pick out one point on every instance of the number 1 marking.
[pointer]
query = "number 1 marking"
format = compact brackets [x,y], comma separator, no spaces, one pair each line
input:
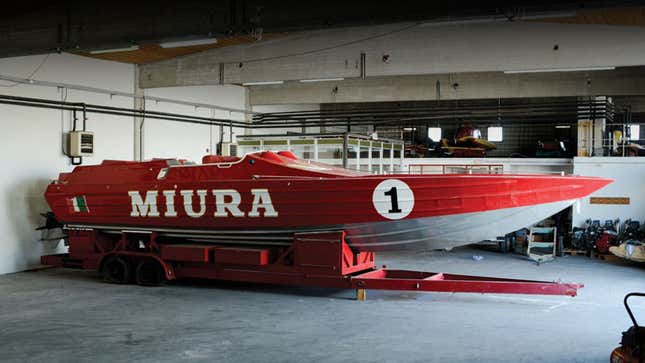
[394,199]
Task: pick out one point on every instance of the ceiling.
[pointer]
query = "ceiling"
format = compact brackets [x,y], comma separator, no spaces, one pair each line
[40,26]
[147,53]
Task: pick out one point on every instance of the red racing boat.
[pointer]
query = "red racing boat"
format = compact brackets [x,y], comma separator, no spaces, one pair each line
[266,197]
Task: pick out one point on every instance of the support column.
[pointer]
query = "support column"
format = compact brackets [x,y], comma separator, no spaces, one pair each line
[139,104]
[247,106]
[591,130]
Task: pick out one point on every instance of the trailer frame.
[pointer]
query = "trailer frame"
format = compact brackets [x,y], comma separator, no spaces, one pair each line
[316,259]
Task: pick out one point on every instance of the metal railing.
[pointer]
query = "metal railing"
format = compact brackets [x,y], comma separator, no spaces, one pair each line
[455,169]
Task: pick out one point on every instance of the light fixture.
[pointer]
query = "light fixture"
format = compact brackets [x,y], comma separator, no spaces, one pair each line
[634,131]
[563,126]
[262,83]
[114,50]
[495,134]
[409,129]
[188,43]
[434,133]
[546,70]
[321,80]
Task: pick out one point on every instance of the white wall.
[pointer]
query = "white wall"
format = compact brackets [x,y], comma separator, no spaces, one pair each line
[629,181]
[31,138]
[192,142]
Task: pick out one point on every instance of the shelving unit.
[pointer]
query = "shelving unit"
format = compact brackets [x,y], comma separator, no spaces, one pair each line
[541,244]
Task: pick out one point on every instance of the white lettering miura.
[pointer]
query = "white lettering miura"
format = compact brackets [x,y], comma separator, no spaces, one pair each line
[144,208]
[262,199]
[188,202]
[227,203]
[221,205]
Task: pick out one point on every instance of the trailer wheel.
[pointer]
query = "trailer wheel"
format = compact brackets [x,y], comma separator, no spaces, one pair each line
[150,273]
[116,270]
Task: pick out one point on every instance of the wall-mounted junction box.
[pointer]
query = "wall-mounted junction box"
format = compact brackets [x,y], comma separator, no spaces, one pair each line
[81,143]
[228,149]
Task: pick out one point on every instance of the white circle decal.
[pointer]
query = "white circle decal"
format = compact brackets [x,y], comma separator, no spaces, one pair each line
[393,199]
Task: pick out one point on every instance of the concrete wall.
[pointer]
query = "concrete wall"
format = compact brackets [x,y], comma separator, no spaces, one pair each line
[629,181]
[31,138]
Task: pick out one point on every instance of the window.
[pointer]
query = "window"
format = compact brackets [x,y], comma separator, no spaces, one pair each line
[634,131]
[495,133]
[434,133]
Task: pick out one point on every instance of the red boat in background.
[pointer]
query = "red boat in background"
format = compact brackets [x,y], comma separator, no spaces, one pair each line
[265,197]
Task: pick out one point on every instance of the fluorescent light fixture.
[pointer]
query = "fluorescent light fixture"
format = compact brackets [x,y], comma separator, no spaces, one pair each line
[409,129]
[434,133]
[546,70]
[114,50]
[495,134]
[634,131]
[321,80]
[188,43]
[448,22]
[263,83]
[563,126]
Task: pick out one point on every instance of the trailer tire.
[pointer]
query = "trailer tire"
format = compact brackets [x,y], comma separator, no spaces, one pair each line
[117,270]
[150,273]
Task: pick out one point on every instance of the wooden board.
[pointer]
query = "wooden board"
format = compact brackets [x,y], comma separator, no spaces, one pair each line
[626,16]
[574,252]
[148,53]
[609,200]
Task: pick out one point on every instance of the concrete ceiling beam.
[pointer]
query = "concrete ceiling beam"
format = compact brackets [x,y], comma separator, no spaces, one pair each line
[406,49]
[619,82]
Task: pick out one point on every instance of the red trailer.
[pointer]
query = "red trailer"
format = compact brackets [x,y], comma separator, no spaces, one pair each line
[321,259]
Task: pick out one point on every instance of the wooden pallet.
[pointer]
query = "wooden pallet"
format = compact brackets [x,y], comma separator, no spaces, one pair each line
[606,256]
[571,252]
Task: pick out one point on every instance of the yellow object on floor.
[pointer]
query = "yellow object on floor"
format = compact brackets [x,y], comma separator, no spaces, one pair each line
[629,251]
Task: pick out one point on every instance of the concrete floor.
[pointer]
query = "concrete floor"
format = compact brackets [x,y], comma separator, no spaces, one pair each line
[66,315]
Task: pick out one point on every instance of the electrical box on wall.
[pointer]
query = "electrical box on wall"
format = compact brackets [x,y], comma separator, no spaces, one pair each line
[81,143]
[228,149]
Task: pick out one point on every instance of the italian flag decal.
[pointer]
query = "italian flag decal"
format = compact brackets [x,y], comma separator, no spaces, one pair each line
[78,205]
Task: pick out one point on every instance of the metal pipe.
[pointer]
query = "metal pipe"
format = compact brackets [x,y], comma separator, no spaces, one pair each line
[117,111]
[36,82]
[518,114]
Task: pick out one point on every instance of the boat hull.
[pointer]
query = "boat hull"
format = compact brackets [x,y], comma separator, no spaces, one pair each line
[445,232]
[431,233]
[231,203]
